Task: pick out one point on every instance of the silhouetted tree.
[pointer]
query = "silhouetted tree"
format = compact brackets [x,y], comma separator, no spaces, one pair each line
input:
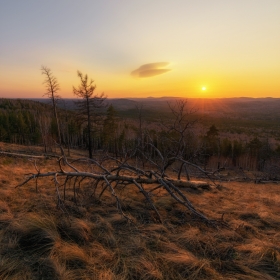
[212,132]
[52,88]
[89,106]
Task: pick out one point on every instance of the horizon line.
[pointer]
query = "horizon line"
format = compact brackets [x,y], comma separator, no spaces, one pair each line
[151,97]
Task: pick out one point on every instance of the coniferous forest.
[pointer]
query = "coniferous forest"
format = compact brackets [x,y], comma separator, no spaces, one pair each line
[28,122]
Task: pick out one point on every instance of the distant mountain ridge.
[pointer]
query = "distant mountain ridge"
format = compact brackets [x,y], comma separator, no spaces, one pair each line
[243,106]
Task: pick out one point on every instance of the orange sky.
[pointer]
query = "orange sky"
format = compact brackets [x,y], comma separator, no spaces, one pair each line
[142,48]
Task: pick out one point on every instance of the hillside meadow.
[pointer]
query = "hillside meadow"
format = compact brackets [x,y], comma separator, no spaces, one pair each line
[90,239]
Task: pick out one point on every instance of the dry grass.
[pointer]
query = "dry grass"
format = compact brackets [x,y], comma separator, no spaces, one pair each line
[92,241]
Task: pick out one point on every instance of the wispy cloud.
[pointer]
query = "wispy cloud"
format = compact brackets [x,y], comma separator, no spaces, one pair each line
[150,70]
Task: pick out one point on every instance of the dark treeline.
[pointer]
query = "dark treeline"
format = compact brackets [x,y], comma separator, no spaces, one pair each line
[254,153]
[29,122]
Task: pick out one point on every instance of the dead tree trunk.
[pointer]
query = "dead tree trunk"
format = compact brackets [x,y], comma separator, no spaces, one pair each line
[106,178]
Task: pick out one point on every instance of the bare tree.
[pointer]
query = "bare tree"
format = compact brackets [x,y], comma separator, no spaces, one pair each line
[89,106]
[52,88]
[174,135]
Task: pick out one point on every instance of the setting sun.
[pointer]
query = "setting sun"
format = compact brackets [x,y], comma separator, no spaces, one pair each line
[203,88]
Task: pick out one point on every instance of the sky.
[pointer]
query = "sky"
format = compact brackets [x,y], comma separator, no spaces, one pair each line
[142,48]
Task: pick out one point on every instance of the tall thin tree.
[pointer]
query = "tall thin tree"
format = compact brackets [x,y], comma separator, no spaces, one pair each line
[89,104]
[52,88]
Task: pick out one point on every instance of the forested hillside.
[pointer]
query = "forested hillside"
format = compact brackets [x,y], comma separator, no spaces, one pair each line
[31,123]
[19,121]
[208,142]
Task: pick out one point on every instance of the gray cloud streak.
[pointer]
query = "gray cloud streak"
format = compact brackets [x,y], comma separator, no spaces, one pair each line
[150,70]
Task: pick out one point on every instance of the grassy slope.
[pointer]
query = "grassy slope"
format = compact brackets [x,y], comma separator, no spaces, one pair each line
[92,241]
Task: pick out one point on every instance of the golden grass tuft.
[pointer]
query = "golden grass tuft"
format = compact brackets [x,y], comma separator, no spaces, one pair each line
[75,230]
[262,257]
[70,255]
[186,266]
[140,267]
[101,255]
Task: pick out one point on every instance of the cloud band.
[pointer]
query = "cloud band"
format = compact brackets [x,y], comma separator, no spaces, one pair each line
[150,70]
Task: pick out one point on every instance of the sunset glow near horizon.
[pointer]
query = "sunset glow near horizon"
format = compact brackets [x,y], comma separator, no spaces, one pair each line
[184,48]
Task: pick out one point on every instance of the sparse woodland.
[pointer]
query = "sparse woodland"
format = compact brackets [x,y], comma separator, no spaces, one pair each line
[87,194]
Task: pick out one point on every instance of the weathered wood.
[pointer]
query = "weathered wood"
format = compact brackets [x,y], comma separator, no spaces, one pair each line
[26,155]
[129,179]
[134,176]
[21,155]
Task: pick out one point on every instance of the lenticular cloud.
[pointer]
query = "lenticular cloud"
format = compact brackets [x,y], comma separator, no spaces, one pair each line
[150,70]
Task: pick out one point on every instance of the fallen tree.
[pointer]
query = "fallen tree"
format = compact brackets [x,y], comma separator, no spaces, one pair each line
[104,178]
[27,155]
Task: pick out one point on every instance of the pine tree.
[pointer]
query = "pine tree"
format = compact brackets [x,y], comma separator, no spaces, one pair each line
[89,107]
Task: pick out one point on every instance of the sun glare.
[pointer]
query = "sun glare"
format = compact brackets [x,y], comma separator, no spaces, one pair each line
[203,88]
